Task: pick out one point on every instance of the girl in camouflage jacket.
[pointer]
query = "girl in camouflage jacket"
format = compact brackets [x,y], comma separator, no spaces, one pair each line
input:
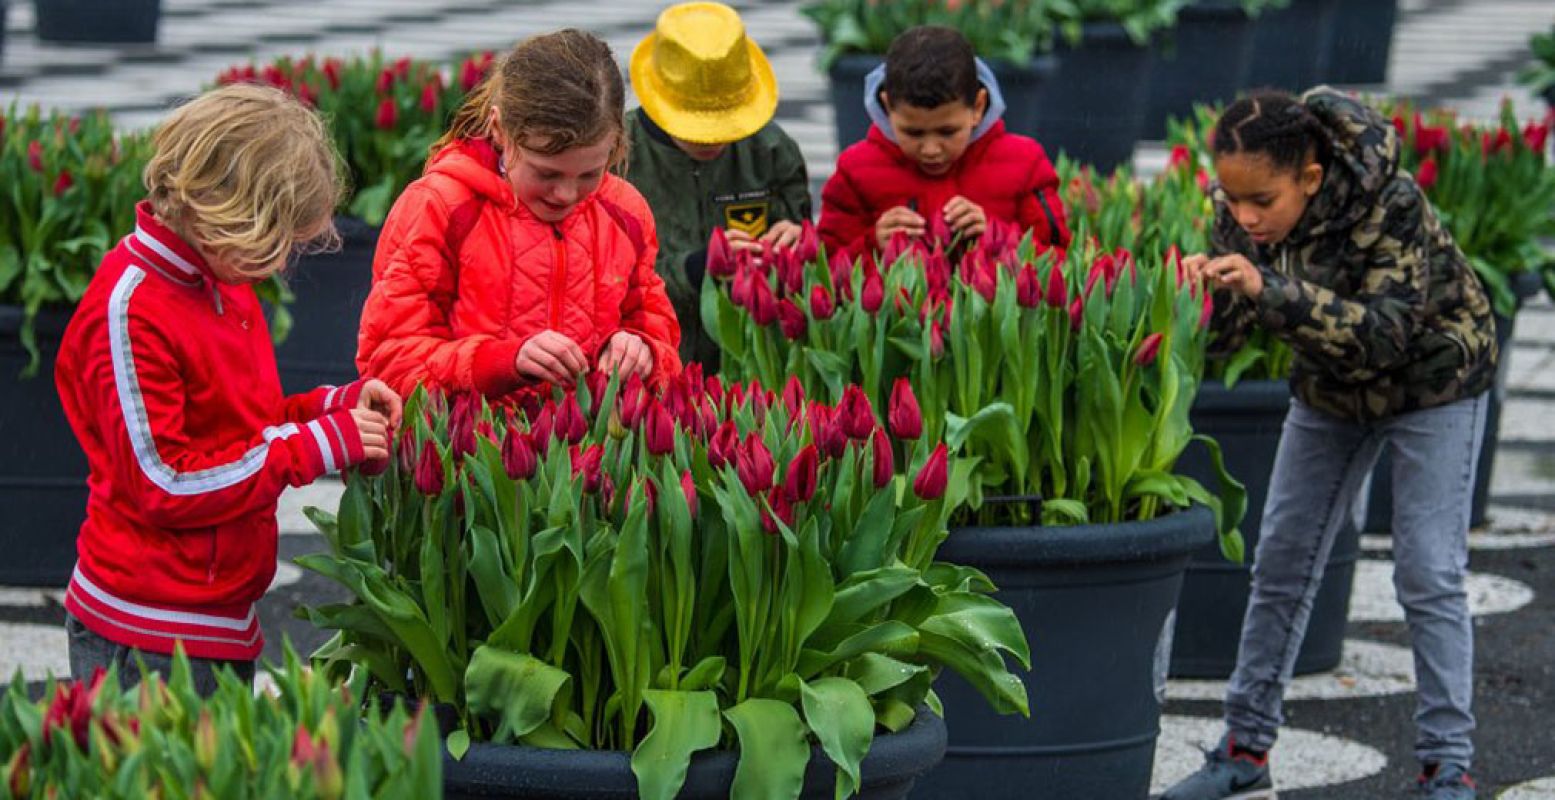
[1321,239]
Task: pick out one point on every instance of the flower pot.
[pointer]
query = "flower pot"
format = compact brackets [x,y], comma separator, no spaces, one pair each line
[1204,60]
[1020,86]
[1096,601]
[1290,45]
[1247,421]
[2,31]
[1094,107]
[893,763]
[1361,41]
[331,289]
[98,21]
[42,469]
[1379,508]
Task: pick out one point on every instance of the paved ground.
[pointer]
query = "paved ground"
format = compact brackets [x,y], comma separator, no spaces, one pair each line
[1350,731]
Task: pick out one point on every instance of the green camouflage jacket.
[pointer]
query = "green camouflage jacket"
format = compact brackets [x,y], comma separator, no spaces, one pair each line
[1379,305]
[757,181]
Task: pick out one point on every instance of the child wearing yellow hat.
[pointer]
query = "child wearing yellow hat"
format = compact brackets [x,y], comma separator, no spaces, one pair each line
[706,153]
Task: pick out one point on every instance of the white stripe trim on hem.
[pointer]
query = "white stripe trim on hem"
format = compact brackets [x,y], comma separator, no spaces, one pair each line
[160,614]
[166,252]
[107,620]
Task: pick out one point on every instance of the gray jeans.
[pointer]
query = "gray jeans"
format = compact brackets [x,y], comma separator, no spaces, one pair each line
[1319,470]
[88,651]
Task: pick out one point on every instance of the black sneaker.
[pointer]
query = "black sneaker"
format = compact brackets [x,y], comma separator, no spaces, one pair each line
[1229,773]
[1445,782]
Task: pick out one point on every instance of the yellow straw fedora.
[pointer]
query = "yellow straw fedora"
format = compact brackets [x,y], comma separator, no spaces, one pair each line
[700,78]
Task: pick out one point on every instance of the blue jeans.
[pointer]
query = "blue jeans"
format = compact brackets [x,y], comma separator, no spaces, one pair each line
[1319,470]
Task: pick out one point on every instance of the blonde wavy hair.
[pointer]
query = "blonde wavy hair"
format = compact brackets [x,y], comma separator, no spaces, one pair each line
[250,175]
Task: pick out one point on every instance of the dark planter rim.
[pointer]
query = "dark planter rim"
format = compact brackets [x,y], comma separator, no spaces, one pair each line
[1212,9]
[1104,33]
[1526,284]
[1041,63]
[1271,395]
[893,758]
[1176,534]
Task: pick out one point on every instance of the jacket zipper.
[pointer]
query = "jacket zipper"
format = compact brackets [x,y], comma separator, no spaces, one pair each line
[210,567]
[558,274]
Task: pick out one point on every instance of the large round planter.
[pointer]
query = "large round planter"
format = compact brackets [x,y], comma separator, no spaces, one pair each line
[1019,85]
[1094,107]
[1379,507]
[42,470]
[1247,421]
[1290,45]
[98,21]
[1203,60]
[1361,41]
[1096,604]
[331,289]
[893,763]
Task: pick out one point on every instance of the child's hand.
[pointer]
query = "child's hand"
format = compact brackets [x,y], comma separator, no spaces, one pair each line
[965,217]
[783,233]
[627,353]
[740,240]
[551,357]
[1194,265]
[1236,273]
[900,218]
[377,396]
[373,428]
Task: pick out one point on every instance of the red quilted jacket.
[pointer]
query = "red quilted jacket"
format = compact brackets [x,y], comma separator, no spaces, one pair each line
[1007,174]
[465,274]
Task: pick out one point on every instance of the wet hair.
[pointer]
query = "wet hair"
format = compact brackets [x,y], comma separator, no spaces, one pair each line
[553,92]
[1272,124]
[929,66]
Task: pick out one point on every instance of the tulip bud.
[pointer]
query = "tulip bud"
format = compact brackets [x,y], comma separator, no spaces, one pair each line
[1206,310]
[658,430]
[518,456]
[753,464]
[905,417]
[872,296]
[1028,287]
[1145,355]
[1057,290]
[721,449]
[35,155]
[931,480]
[764,304]
[1076,313]
[826,432]
[570,425]
[689,487]
[884,462]
[793,396]
[777,507]
[1427,174]
[587,463]
[856,414]
[205,741]
[799,480]
[809,247]
[791,320]
[543,427]
[821,304]
[939,230]
[63,183]
[720,256]
[388,115]
[20,771]
[429,471]
[936,340]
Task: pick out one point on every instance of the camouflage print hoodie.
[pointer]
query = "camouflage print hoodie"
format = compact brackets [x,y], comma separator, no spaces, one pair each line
[1380,306]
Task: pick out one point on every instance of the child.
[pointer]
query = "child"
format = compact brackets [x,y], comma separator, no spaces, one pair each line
[702,168]
[938,147]
[518,261]
[1322,240]
[168,378]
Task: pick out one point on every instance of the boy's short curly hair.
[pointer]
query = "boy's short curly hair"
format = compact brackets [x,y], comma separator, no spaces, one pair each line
[249,174]
[929,66]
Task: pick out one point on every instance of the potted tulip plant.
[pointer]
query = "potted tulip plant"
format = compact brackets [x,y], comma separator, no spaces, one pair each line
[1540,75]
[707,590]
[1029,365]
[1012,36]
[384,115]
[306,739]
[71,188]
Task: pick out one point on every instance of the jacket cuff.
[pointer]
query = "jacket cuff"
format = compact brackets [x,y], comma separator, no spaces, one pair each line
[343,397]
[493,370]
[332,443]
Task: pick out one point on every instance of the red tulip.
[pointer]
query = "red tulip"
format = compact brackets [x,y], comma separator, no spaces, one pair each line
[20,770]
[1057,290]
[936,340]
[793,396]
[1206,310]
[856,414]
[1145,355]
[723,446]
[985,276]
[429,470]
[1430,139]
[753,464]
[307,94]
[777,507]
[518,455]
[405,449]
[688,486]
[1426,176]
[931,480]
[386,80]
[799,480]
[1076,313]
[763,304]
[872,295]
[898,244]
[827,432]
[658,429]
[388,115]
[570,425]
[431,94]
[821,304]
[1537,136]
[35,155]
[587,463]
[544,427]
[939,230]
[720,256]
[332,72]
[71,708]
[905,417]
[470,75]
[63,183]
[809,247]
[1180,156]
[791,320]
[1028,287]
[631,402]
[884,462]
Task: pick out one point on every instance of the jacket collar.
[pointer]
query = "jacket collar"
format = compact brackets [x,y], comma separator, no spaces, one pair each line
[165,252]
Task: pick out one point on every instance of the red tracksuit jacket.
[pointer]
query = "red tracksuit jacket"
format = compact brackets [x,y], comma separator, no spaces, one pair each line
[168,379]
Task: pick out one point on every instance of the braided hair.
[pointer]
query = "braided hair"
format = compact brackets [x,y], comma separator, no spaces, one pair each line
[1272,124]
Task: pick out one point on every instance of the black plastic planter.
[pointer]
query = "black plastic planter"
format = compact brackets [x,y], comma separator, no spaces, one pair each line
[1379,508]
[1246,421]
[1361,41]
[2,31]
[331,289]
[1096,604]
[1203,60]
[42,469]
[1291,45]
[1094,107]
[99,21]
[893,763]
[1019,85]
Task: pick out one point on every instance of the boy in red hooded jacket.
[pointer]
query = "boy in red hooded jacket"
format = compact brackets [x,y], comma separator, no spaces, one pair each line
[938,147]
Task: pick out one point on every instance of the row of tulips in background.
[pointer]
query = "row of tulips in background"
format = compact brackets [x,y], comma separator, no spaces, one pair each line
[666,572]
[1064,378]
[308,738]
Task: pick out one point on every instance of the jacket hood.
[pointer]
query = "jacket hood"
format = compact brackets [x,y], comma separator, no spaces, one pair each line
[1363,159]
[878,115]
